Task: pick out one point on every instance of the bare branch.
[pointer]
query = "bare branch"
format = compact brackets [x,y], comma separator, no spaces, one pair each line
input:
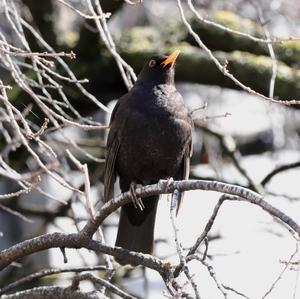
[282,272]
[173,209]
[15,213]
[52,293]
[47,272]
[100,281]
[26,190]
[279,170]
[76,241]
[88,17]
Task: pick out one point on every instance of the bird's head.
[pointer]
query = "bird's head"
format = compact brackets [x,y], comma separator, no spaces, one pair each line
[159,69]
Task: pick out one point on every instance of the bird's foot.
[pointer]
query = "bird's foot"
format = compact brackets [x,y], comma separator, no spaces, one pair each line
[166,183]
[137,201]
[170,180]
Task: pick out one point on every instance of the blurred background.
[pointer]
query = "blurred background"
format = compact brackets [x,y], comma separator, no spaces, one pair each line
[239,138]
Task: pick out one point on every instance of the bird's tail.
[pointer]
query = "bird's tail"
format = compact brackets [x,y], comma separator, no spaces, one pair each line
[136,228]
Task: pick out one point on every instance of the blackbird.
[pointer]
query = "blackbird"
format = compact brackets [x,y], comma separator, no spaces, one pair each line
[150,138]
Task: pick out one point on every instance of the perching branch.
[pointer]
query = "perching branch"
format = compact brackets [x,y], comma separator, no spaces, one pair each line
[165,187]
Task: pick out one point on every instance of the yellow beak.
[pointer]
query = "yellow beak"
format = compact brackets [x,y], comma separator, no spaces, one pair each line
[171,58]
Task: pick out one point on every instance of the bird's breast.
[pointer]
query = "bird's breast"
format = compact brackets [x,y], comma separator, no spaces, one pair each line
[153,143]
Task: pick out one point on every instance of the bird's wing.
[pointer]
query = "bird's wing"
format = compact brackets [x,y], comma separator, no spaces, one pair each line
[112,148]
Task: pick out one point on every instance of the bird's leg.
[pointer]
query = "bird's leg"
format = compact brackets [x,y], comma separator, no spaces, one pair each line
[137,201]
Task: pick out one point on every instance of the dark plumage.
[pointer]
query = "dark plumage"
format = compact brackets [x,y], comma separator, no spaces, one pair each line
[149,139]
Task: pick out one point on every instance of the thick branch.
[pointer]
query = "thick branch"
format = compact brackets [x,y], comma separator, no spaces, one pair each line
[52,293]
[46,272]
[61,240]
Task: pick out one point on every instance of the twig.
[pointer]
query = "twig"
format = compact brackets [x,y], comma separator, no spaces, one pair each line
[15,213]
[203,235]
[271,51]
[126,71]
[173,209]
[198,109]
[23,53]
[41,132]
[207,117]
[235,291]
[210,269]
[25,190]
[208,226]
[281,273]
[90,208]
[212,273]
[229,146]
[64,65]
[106,15]
[24,141]
[279,170]
[100,281]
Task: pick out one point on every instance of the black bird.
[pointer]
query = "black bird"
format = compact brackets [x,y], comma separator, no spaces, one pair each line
[150,138]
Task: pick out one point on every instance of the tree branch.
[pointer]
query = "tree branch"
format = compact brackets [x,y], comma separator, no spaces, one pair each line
[53,293]
[279,170]
[103,282]
[79,240]
[47,272]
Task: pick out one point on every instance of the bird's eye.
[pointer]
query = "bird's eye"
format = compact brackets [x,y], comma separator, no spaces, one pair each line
[152,63]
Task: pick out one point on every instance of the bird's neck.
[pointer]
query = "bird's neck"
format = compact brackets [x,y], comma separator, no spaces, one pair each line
[151,83]
[155,78]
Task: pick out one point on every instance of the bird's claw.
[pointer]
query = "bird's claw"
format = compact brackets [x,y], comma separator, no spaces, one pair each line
[167,183]
[170,180]
[137,201]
